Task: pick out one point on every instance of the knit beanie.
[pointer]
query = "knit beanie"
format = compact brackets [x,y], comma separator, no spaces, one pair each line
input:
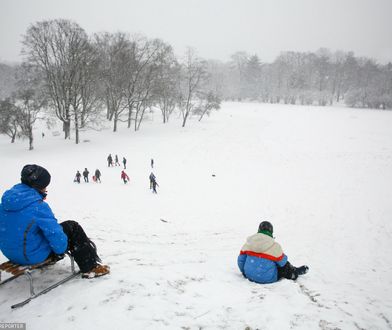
[35,176]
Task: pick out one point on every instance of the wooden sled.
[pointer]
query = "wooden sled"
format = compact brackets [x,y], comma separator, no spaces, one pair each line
[18,270]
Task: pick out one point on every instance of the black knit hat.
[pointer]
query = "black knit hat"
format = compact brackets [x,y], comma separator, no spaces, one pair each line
[35,176]
[266,225]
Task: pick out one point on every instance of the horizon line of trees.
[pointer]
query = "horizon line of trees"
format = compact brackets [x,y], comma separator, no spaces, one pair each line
[83,80]
[307,78]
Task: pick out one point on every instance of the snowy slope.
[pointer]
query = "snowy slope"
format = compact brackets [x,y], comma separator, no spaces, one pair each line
[322,176]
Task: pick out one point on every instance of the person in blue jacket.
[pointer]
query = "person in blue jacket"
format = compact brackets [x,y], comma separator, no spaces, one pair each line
[30,233]
[262,260]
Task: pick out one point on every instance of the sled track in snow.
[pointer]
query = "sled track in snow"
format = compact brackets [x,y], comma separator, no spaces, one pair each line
[312,296]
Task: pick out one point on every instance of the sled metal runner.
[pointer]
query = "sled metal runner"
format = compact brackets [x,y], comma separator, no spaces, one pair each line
[18,270]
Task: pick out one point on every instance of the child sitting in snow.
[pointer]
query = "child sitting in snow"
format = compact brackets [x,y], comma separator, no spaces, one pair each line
[262,260]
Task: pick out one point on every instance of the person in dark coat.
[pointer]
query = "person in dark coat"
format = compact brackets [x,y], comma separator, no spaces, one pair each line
[85,175]
[30,233]
[154,186]
[116,161]
[153,183]
[77,177]
[110,160]
[152,178]
[97,175]
[262,260]
[152,163]
[125,163]
[124,176]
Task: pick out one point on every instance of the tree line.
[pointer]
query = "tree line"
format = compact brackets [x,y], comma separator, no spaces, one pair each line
[85,79]
[306,78]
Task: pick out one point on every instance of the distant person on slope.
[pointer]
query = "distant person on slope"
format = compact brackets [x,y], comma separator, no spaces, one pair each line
[116,161]
[30,233]
[97,175]
[124,176]
[262,260]
[85,175]
[125,163]
[152,178]
[110,160]
[154,185]
[77,177]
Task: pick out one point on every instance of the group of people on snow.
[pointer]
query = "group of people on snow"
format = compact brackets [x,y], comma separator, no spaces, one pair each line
[124,176]
[116,162]
[30,234]
[96,176]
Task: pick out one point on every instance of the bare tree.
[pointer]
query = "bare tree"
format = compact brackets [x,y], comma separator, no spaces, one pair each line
[253,78]
[193,74]
[58,48]
[143,96]
[115,53]
[91,104]
[142,74]
[238,63]
[9,114]
[207,102]
[30,98]
[85,98]
[337,70]
[165,88]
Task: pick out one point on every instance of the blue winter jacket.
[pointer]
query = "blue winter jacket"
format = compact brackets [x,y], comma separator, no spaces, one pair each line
[260,258]
[29,232]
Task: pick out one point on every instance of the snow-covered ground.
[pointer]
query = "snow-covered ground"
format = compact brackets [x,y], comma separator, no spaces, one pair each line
[322,176]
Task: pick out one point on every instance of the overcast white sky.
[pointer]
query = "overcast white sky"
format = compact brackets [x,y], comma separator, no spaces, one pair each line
[218,28]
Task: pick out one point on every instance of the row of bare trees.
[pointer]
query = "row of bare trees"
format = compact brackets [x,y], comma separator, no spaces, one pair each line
[83,79]
[322,78]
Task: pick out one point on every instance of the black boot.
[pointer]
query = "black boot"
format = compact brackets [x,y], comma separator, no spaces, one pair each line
[302,270]
[287,271]
[80,246]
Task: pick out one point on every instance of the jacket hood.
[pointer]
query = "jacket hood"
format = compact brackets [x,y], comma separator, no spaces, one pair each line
[259,242]
[19,197]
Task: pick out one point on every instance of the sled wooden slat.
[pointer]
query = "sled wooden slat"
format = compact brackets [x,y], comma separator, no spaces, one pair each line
[18,270]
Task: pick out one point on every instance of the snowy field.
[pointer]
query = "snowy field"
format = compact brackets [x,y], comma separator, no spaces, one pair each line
[322,176]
